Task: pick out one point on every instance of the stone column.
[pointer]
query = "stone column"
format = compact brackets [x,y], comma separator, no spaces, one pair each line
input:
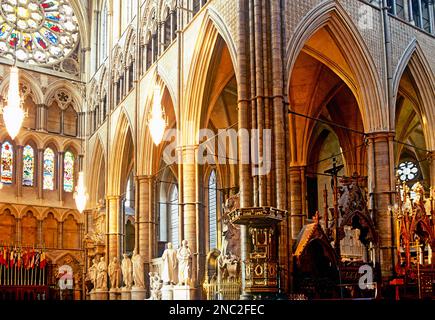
[381,187]
[192,208]
[41,118]
[115,232]
[145,224]
[60,175]
[189,196]
[19,171]
[39,175]
[173,24]
[432,17]
[410,12]
[296,199]
[40,237]
[146,221]
[245,177]
[18,233]
[81,234]
[432,169]
[60,234]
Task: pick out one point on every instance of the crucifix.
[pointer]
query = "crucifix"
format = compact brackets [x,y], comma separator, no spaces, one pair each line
[333,172]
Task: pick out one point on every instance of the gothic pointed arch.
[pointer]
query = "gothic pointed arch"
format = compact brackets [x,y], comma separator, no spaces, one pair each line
[355,66]
[97,182]
[199,78]
[414,60]
[121,145]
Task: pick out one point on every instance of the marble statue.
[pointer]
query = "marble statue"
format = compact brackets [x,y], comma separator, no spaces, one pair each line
[138,270]
[156,285]
[102,275]
[184,256]
[92,273]
[127,268]
[169,268]
[115,273]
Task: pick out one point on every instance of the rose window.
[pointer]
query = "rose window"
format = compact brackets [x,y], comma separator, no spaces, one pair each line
[37,31]
[407,171]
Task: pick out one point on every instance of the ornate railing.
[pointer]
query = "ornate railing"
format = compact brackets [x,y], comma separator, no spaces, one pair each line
[225,290]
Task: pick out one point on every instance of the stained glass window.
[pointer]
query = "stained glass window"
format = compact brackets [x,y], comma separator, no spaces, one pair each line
[173,227]
[49,163]
[28,166]
[103,37]
[7,163]
[68,172]
[43,31]
[407,171]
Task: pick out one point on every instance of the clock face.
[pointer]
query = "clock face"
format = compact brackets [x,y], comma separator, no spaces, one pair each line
[37,31]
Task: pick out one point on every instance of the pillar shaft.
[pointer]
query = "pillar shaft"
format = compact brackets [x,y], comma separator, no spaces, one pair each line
[19,171]
[40,176]
[115,229]
[146,219]
[189,196]
[60,235]
[193,210]
[296,199]
[432,169]
[381,176]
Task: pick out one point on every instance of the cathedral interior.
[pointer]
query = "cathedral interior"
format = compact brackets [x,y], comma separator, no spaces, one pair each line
[217,150]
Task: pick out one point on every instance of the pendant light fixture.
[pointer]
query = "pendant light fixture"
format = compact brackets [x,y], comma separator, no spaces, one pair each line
[80,195]
[13,112]
[157,121]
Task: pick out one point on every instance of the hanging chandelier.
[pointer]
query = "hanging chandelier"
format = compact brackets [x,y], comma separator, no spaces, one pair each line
[80,196]
[157,122]
[13,112]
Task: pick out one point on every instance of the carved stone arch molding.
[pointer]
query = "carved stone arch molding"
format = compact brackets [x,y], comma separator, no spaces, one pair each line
[71,260]
[130,45]
[414,58]
[28,87]
[118,64]
[364,80]
[93,94]
[64,94]
[354,212]
[67,258]
[149,22]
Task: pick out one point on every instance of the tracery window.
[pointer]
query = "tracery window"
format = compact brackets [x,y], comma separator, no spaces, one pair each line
[68,172]
[7,157]
[127,10]
[212,210]
[43,31]
[49,168]
[103,39]
[407,171]
[173,227]
[28,166]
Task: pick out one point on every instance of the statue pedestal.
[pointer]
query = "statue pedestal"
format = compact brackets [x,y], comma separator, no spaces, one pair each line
[93,295]
[101,295]
[125,294]
[115,294]
[168,292]
[184,293]
[138,293]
